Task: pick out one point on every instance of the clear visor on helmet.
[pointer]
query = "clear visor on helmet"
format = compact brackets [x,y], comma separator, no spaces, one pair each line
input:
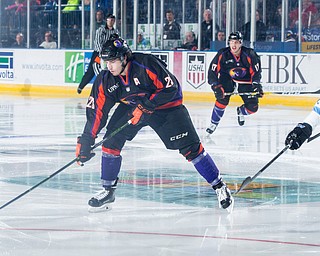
[107,56]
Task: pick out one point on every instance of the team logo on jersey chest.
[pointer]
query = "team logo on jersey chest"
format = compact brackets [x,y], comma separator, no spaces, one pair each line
[237,72]
[113,87]
[196,74]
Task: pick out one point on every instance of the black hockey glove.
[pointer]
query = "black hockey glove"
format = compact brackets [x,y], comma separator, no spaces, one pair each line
[142,112]
[218,91]
[83,151]
[298,135]
[257,88]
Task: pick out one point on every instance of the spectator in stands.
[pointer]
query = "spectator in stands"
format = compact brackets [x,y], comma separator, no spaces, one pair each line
[261,29]
[18,5]
[275,21]
[312,33]
[100,19]
[274,25]
[19,43]
[316,21]
[308,10]
[102,5]
[74,35]
[221,35]
[48,42]
[206,30]
[172,28]
[191,12]
[72,5]
[190,42]
[290,36]
[49,13]
[70,14]
[50,5]
[142,42]
[223,14]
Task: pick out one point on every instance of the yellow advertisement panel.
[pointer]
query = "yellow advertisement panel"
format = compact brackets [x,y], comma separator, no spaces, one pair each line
[310,46]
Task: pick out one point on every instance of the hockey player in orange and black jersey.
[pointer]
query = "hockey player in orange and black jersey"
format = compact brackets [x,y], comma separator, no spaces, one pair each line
[146,93]
[235,69]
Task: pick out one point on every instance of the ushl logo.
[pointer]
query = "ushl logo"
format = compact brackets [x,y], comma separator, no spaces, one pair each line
[196,75]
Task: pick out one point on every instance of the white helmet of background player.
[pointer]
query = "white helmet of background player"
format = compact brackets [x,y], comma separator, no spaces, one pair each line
[235,36]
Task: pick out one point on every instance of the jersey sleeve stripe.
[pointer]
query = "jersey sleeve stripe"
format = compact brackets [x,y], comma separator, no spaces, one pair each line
[251,69]
[101,99]
[155,80]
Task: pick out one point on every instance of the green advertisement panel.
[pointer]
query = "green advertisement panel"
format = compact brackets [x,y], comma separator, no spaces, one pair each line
[74,63]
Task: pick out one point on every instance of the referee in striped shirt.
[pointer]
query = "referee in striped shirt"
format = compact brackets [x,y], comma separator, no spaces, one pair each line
[103,34]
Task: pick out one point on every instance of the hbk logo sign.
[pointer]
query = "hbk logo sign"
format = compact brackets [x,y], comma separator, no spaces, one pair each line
[196,74]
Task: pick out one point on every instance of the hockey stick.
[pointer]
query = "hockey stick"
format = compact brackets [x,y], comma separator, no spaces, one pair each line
[67,165]
[241,93]
[248,180]
[313,137]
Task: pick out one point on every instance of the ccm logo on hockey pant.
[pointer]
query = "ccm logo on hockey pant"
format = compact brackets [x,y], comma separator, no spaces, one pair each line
[180,136]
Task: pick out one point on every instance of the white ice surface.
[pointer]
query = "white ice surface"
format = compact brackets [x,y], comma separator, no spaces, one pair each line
[38,136]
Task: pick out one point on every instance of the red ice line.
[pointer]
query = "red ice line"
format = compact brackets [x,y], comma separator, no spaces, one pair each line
[160,234]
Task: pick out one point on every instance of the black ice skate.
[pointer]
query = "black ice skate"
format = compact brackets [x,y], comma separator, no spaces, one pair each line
[211,128]
[225,198]
[103,199]
[240,117]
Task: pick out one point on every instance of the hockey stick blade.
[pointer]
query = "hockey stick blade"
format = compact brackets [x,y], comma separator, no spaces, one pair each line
[244,184]
[249,179]
[66,166]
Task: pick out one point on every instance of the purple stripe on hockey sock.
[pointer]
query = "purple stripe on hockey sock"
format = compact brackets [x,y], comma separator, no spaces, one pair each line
[217,114]
[110,167]
[244,111]
[207,168]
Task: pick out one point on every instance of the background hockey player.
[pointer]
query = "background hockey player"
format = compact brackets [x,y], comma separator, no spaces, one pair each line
[234,69]
[103,34]
[148,94]
[304,130]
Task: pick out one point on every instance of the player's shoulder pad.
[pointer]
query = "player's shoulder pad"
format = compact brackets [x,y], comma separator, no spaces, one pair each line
[147,58]
[100,76]
[249,51]
[223,50]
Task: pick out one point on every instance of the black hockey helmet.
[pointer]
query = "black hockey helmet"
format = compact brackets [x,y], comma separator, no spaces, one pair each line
[115,48]
[235,36]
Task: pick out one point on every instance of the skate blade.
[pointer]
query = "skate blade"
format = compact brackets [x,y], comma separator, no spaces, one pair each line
[103,208]
[230,207]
